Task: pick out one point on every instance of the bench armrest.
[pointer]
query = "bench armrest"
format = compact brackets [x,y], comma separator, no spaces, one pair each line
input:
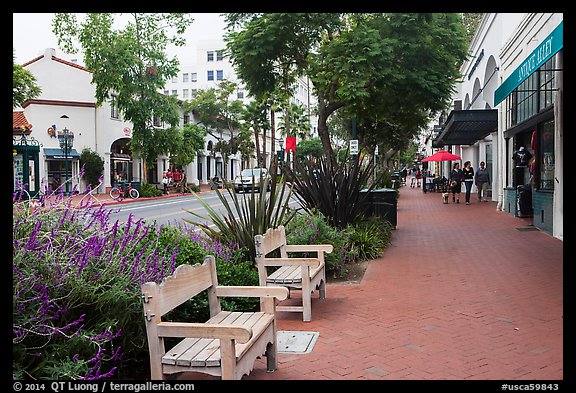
[279,293]
[312,262]
[308,248]
[204,330]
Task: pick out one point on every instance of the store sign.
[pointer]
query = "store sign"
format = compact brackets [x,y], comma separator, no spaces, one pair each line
[548,48]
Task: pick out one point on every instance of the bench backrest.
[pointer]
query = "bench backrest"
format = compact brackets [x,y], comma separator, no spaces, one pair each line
[273,239]
[186,282]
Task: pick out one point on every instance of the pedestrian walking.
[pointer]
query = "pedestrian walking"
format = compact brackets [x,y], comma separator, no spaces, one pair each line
[468,178]
[165,182]
[404,174]
[482,179]
[455,182]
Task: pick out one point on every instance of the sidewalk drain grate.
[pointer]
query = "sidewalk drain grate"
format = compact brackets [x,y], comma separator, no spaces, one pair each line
[529,229]
[293,342]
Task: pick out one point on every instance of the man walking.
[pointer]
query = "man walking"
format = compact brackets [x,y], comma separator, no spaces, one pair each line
[482,179]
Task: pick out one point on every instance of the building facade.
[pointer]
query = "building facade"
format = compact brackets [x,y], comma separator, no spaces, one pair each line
[509,104]
[68,102]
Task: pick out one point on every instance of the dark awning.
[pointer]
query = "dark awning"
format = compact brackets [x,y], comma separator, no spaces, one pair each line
[59,153]
[121,156]
[465,127]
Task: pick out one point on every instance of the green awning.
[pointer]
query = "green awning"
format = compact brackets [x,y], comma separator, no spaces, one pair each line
[58,154]
[548,48]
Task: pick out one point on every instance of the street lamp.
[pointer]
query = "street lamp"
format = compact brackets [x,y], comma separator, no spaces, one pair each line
[66,141]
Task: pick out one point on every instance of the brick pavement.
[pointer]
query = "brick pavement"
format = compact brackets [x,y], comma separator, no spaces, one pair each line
[459,294]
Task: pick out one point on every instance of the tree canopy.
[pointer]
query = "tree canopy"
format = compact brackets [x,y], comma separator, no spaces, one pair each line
[24,85]
[131,63]
[395,70]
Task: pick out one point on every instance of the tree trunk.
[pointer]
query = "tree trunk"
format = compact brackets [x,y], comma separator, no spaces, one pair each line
[324,134]
[272,135]
[258,152]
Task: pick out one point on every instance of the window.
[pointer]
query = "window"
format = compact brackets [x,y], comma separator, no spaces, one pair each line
[210,55]
[174,92]
[113,108]
[185,77]
[175,79]
[210,75]
[219,75]
[193,77]
[186,118]
[240,95]
[157,122]
[185,93]
[546,156]
[533,95]
[166,92]
[219,55]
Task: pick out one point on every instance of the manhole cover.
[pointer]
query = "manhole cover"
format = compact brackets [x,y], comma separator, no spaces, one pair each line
[295,341]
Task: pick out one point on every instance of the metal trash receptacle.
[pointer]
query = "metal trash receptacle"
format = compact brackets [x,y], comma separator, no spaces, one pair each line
[383,203]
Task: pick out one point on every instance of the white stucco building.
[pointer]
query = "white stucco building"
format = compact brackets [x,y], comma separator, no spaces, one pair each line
[511,97]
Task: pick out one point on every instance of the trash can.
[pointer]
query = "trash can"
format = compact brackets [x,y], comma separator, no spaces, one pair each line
[137,185]
[524,195]
[383,203]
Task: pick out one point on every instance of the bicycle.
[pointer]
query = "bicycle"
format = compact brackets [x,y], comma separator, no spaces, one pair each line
[124,190]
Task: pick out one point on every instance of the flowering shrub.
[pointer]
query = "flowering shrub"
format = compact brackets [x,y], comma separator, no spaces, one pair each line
[77,311]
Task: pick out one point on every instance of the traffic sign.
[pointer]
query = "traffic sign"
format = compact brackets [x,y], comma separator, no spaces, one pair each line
[353,146]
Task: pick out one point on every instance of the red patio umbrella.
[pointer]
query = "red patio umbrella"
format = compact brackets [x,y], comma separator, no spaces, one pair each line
[442,155]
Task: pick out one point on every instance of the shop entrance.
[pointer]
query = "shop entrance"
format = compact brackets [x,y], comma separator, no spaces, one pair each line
[121,168]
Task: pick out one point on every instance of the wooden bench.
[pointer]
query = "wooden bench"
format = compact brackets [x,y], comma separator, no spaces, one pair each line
[303,273]
[226,345]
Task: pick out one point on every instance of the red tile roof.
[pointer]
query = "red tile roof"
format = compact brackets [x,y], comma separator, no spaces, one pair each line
[60,61]
[20,124]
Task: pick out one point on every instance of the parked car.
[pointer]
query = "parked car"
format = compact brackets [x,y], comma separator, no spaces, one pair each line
[250,179]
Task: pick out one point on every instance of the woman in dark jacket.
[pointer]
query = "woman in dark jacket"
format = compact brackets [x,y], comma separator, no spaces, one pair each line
[468,179]
[455,182]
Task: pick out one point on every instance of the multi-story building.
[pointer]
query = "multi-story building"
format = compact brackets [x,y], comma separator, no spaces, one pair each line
[208,67]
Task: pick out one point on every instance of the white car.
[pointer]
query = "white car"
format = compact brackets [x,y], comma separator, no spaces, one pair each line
[251,179]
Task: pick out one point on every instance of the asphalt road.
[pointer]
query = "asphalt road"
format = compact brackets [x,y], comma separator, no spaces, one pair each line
[173,211]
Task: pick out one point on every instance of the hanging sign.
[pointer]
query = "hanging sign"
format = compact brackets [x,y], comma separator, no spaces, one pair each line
[548,48]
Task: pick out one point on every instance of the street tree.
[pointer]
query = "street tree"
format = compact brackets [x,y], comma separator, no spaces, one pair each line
[387,65]
[131,63]
[255,119]
[24,85]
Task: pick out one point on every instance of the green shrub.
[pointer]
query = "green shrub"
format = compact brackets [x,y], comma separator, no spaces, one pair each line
[369,238]
[313,228]
[148,191]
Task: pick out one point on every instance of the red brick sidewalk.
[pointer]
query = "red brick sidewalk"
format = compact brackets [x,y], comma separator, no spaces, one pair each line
[460,294]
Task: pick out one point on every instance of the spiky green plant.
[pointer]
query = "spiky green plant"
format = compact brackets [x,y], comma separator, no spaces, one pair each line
[340,192]
[252,215]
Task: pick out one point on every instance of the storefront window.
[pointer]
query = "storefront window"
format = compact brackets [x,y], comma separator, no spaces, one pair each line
[546,156]
[532,96]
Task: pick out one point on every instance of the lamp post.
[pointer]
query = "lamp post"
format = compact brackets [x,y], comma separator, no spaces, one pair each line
[66,141]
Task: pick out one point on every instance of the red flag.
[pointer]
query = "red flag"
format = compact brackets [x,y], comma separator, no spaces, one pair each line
[291,144]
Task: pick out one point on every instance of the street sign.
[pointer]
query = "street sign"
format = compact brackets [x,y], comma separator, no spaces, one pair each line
[353,146]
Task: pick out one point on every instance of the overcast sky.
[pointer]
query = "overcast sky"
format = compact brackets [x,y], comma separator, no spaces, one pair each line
[32,34]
